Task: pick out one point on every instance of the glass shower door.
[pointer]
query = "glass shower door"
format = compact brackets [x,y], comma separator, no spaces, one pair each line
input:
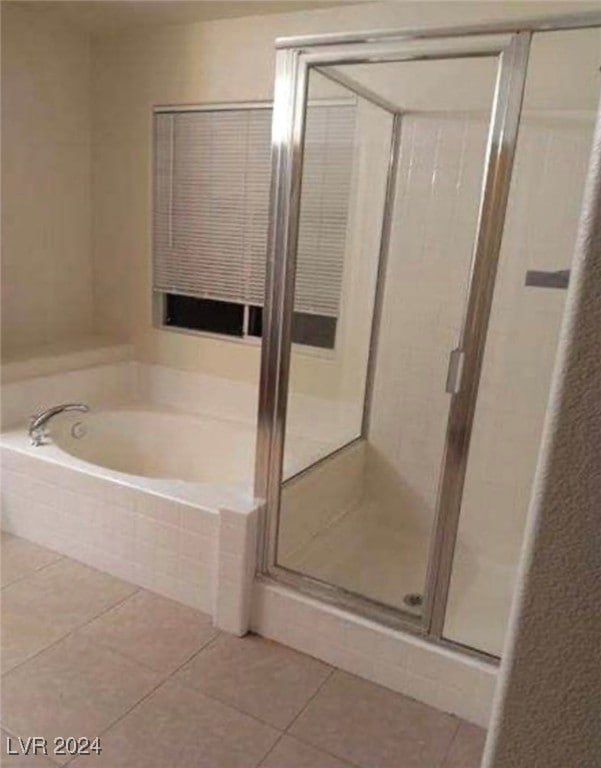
[552,155]
[386,217]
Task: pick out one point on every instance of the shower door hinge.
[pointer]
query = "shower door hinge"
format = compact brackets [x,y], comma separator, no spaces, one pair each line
[454,371]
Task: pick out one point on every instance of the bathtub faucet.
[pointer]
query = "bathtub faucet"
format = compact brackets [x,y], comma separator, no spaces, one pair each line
[37,425]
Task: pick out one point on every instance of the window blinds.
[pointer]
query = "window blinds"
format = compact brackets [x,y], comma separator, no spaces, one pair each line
[211,204]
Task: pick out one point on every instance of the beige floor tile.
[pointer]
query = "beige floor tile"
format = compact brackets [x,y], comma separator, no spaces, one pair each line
[76,688]
[42,608]
[179,727]
[467,747]
[15,761]
[264,679]
[20,558]
[153,630]
[374,727]
[292,753]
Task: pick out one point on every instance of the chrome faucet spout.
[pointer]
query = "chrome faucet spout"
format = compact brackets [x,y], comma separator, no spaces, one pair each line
[38,423]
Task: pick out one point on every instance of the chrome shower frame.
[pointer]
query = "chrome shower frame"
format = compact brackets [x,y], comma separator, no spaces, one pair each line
[509,42]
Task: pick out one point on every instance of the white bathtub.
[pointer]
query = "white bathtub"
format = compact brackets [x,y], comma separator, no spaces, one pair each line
[159,497]
[160,444]
[170,447]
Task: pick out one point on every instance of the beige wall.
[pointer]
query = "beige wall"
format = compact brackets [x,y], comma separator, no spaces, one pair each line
[46,255]
[216,61]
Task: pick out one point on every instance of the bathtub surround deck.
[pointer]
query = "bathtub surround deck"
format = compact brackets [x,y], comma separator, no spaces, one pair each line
[75,354]
[166,684]
[194,542]
[176,545]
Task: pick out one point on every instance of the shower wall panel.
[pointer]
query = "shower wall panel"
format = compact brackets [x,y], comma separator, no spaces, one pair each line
[540,231]
[436,209]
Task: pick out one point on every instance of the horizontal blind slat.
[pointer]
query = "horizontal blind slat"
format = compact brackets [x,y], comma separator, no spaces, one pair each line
[211,204]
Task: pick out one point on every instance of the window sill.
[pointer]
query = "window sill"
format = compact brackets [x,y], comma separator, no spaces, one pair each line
[250,341]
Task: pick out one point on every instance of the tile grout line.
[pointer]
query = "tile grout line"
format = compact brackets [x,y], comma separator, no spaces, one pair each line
[202,648]
[117,720]
[143,664]
[212,696]
[295,718]
[34,571]
[310,699]
[308,743]
[345,759]
[72,631]
[225,702]
[147,695]
[340,759]
[285,731]
[68,634]
[451,742]
[270,750]
[303,741]
[230,704]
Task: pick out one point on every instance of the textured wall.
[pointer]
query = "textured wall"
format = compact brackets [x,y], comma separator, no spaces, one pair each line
[548,706]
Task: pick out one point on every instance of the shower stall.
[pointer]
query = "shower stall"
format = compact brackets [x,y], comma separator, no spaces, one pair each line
[395,464]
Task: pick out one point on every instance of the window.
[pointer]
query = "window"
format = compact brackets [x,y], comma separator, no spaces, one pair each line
[231,318]
[211,207]
[224,317]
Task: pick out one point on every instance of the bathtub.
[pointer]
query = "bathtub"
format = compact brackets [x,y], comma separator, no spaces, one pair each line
[160,444]
[172,446]
[157,496]
[155,484]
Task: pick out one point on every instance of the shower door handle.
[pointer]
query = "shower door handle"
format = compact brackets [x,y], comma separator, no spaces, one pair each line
[454,371]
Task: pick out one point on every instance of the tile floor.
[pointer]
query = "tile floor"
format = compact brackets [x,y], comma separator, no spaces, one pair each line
[85,654]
